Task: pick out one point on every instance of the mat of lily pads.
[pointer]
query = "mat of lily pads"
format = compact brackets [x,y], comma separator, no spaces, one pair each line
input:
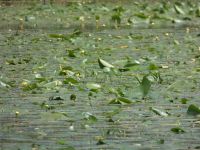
[100,76]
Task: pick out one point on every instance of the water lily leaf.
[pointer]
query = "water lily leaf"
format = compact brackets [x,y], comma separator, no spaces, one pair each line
[103,63]
[70,81]
[125,100]
[115,101]
[55,98]
[71,54]
[161,141]
[3,84]
[93,86]
[28,85]
[159,112]
[100,142]
[73,97]
[128,65]
[39,77]
[178,10]
[124,69]
[10,62]
[121,100]
[112,113]
[153,67]
[58,36]
[75,33]
[177,130]
[184,100]
[97,17]
[53,84]
[61,142]
[141,15]
[193,110]
[90,117]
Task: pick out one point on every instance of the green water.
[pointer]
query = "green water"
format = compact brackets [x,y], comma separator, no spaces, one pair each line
[54,94]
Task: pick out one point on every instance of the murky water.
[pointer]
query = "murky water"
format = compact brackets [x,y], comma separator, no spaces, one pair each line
[36,68]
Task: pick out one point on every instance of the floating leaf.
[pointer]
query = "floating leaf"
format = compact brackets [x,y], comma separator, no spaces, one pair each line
[177,130]
[159,112]
[93,86]
[61,142]
[58,36]
[70,81]
[90,117]
[71,53]
[103,63]
[3,84]
[100,140]
[184,100]
[39,77]
[121,100]
[193,110]
[161,141]
[141,15]
[178,10]
[55,98]
[97,17]
[125,100]
[73,97]
[153,67]
[10,62]
[124,69]
[53,84]
[28,85]
[112,113]
[128,65]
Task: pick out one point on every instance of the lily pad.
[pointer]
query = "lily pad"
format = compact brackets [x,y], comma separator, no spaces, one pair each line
[93,86]
[121,100]
[103,63]
[90,117]
[177,130]
[193,110]
[159,112]
[178,10]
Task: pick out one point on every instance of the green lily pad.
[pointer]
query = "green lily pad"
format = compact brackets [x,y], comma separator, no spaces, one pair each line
[70,81]
[93,86]
[177,130]
[193,110]
[178,10]
[103,63]
[159,112]
[121,100]
[90,117]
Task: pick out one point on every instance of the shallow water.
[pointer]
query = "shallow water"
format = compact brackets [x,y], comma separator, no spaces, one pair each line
[30,119]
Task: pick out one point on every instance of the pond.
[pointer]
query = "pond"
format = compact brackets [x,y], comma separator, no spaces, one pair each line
[100,76]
